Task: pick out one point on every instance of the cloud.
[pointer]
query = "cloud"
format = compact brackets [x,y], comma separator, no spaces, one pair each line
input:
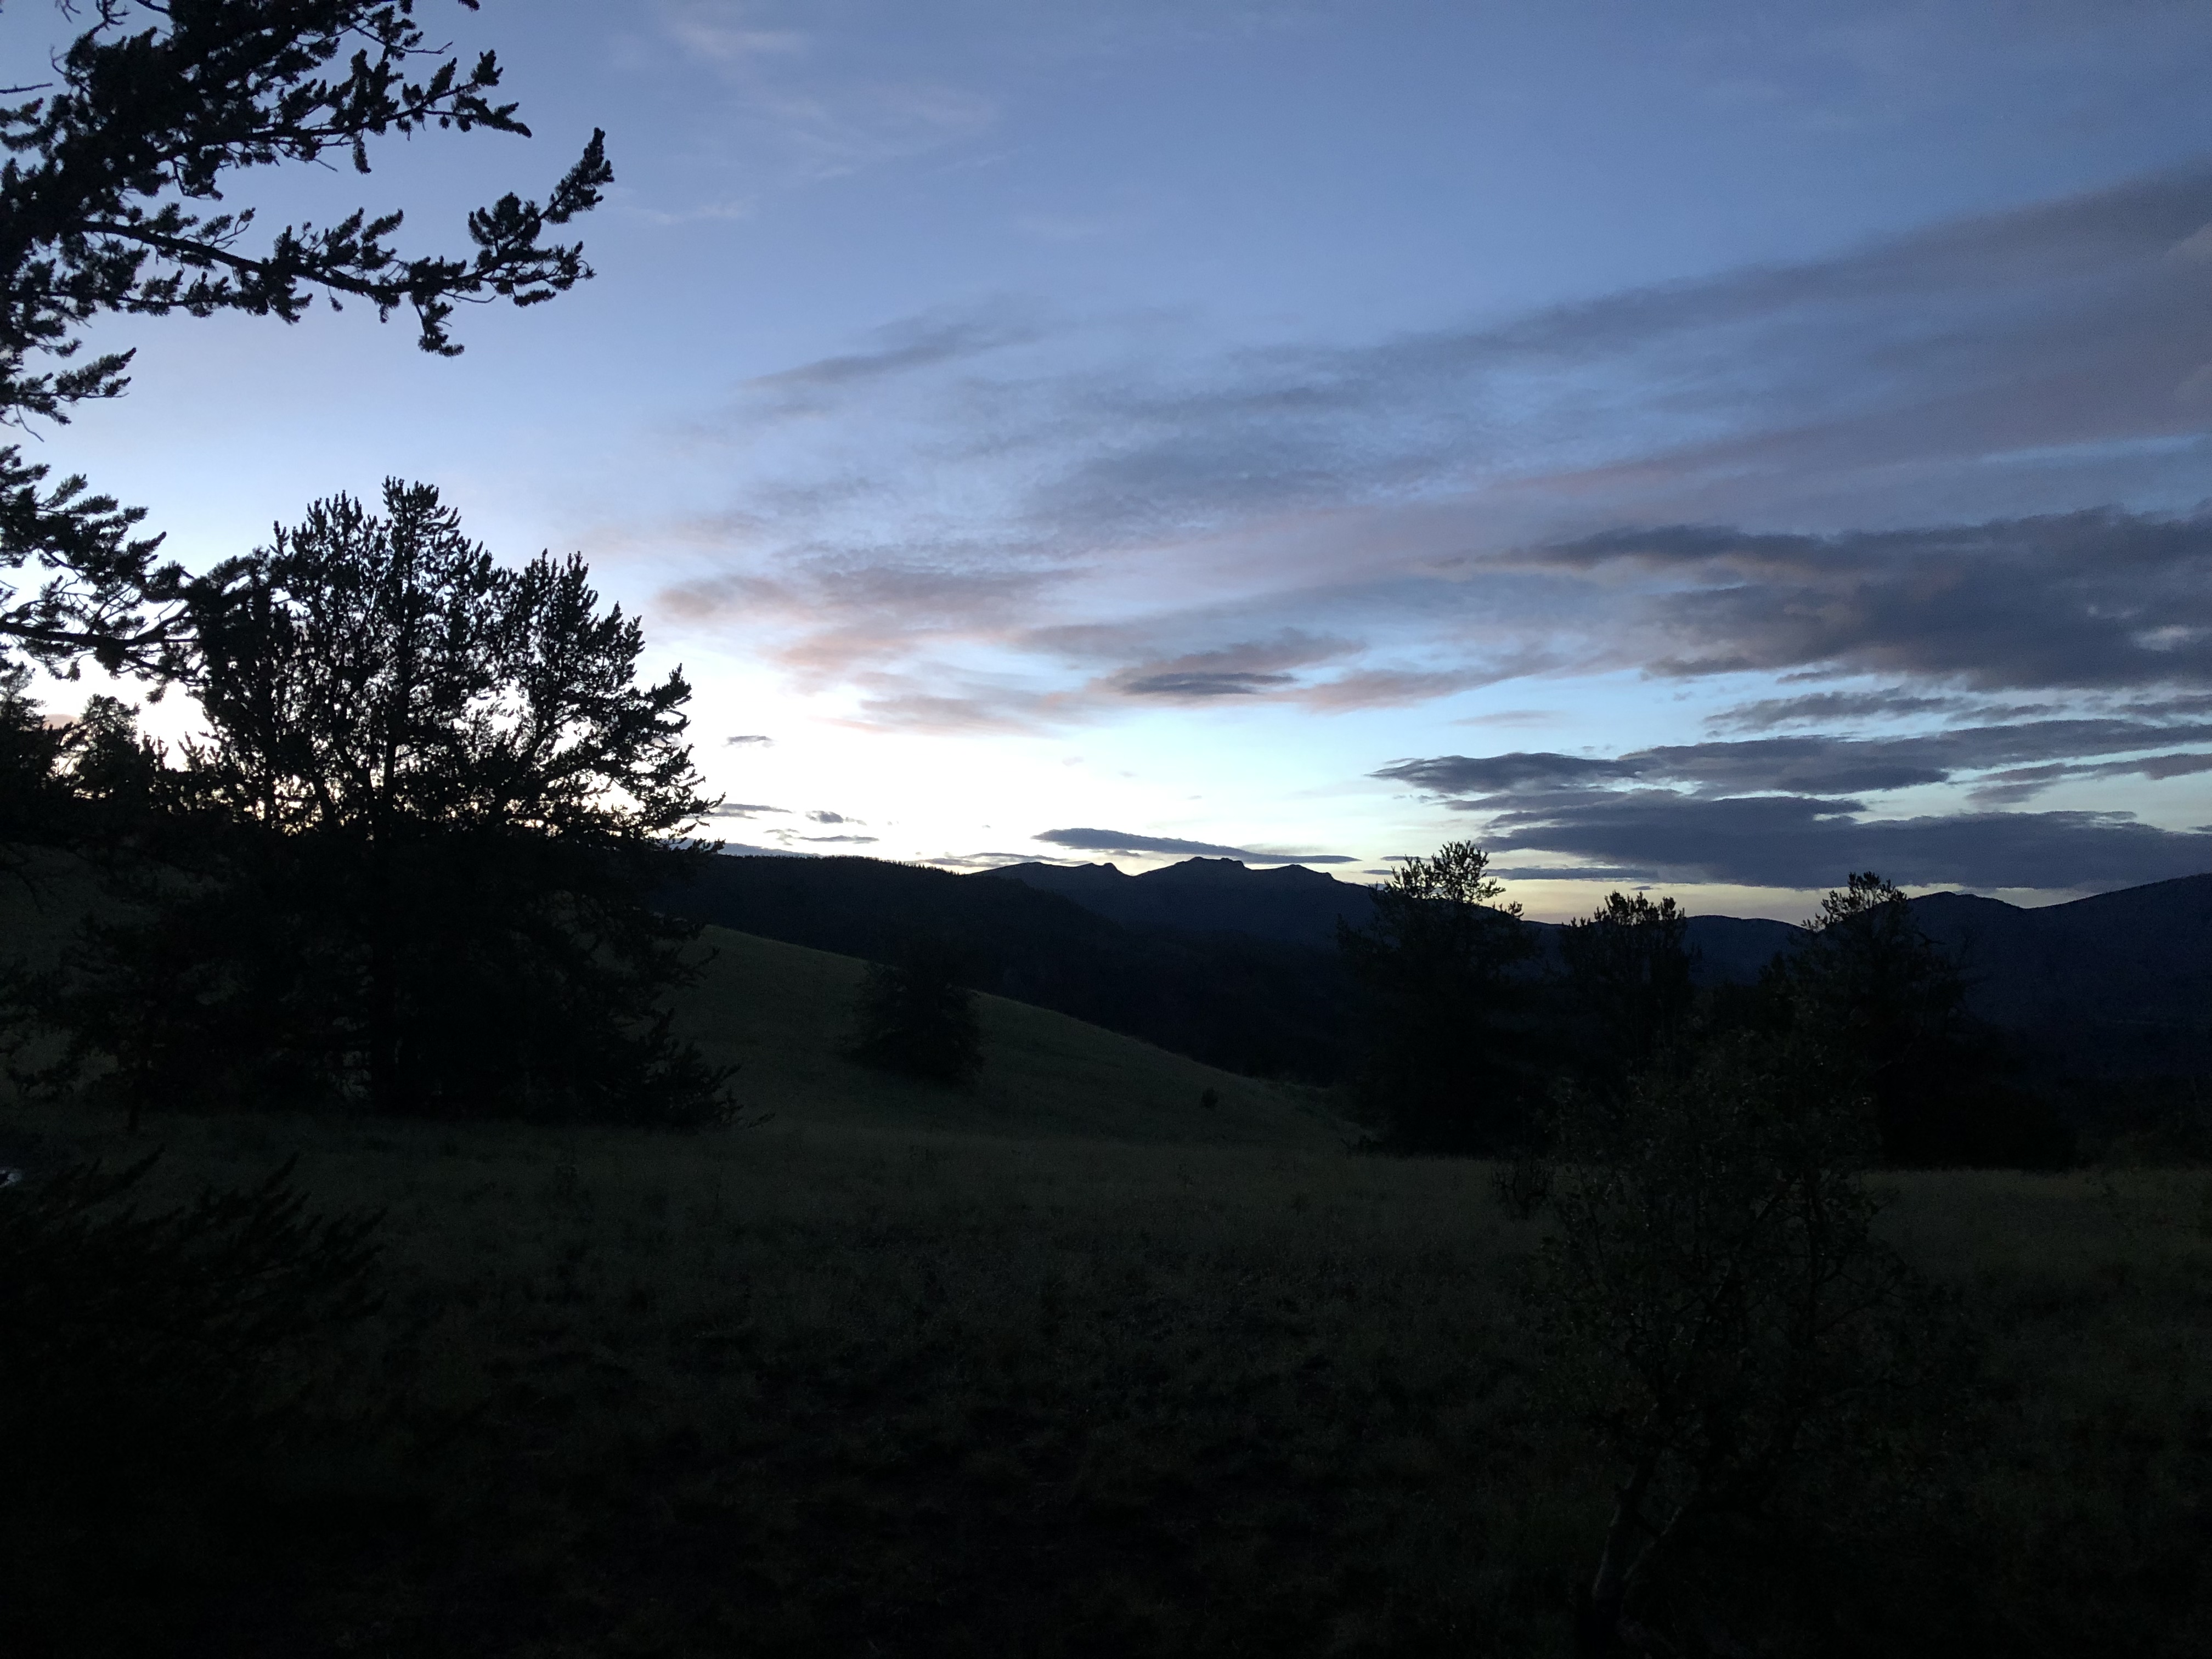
[1459,775]
[1789,812]
[2093,599]
[1237,684]
[745,738]
[1820,707]
[1123,841]
[778,117]
[992,860]
[2005,788]
[1803,842]
[980,492]
[931,341]
[737,809]
[1820,764]
[1571,872]
[819,816]
[1390,687]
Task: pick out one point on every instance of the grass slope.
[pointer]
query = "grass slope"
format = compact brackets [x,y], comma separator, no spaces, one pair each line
[783,1014]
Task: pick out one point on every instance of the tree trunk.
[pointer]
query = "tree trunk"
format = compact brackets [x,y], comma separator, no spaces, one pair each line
[1597,1621]
[384,1087]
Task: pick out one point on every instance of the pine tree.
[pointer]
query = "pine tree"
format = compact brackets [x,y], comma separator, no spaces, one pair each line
[917,1019]
[433,798]
[1445,1068]
[104,209]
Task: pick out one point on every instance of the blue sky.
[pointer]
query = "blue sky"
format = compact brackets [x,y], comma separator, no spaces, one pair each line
[1709,446]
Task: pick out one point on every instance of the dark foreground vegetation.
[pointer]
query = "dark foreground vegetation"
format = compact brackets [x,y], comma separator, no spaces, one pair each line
[850,1389]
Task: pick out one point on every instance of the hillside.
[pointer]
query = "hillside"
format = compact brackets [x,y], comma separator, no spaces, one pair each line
[2119,983]
[1290,902]
[781,1013]
[1258,1006]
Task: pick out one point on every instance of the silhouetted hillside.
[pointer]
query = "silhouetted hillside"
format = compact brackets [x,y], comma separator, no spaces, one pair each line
[2121,982]
[2116,984]
[1290,904]
[1252,1004]
[1237,967]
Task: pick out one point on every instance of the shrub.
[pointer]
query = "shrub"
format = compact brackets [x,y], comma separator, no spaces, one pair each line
[916,1017]
[1719,1314]
[148,1369]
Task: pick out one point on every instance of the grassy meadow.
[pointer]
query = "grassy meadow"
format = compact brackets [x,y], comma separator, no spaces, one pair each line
[1070,1363]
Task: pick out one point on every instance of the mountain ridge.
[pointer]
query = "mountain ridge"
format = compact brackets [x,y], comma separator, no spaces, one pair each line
[2125,976]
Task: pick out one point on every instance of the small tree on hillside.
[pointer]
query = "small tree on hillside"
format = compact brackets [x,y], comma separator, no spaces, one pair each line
[435,796]
[1443,1067]
[916,1017]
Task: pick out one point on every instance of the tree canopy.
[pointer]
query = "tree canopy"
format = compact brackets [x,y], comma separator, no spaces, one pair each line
[433,797]
[1442,1057]
[111,205]
[1628,971]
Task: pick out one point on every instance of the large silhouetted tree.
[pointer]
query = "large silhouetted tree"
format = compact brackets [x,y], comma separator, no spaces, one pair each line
[112,202]
[435,795]
[1628,975]
[1889,1005]
[1443,1069]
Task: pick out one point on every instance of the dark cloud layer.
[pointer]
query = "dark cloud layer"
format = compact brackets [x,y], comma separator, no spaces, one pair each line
[1785,812]
[1803,842]
[2095,599]
[1819,764]
[1122,840]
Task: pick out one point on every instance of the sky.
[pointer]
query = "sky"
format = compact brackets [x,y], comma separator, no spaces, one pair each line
[1710,448]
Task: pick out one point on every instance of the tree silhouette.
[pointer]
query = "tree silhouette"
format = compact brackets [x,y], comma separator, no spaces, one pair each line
[1443,1068]
[103,210]
[1889,1004]
[435,796]
[1719,1312]
[1628,974]
[915,1017]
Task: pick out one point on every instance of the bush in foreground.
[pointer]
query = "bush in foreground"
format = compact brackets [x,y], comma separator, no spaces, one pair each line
[153,1368]
[1720,1315]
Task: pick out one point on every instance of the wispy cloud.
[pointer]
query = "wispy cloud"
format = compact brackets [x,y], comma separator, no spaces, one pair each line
[775,113]
[1459,506]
